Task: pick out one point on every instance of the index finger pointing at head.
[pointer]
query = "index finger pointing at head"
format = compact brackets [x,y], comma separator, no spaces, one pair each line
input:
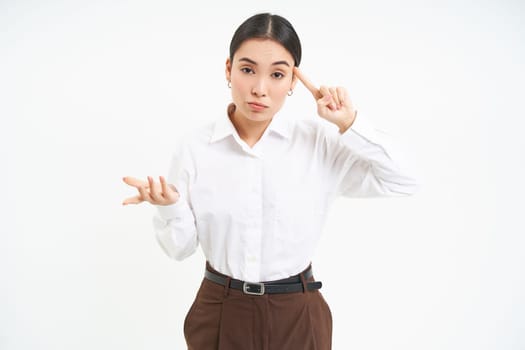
[308,84]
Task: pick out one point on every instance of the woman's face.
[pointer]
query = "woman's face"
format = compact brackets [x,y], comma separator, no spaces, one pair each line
[261,75]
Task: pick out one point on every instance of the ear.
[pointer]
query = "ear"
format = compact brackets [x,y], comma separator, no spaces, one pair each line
[294,81]
[228,70]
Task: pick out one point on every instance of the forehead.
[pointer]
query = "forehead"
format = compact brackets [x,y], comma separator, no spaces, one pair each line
[263,51]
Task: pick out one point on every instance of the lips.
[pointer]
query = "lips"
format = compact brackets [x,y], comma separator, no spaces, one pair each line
[257,106]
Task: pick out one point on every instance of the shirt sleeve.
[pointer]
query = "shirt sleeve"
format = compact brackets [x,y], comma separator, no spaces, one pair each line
[174,224]
[364,162]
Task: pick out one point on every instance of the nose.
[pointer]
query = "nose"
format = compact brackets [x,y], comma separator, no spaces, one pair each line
[259,87]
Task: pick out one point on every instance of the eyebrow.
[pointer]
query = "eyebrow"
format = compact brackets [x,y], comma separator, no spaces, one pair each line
[246,59]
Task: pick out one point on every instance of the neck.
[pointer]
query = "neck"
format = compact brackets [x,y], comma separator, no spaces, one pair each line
[249,131]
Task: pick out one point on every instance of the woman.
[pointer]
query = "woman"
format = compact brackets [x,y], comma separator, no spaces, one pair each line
[253,190]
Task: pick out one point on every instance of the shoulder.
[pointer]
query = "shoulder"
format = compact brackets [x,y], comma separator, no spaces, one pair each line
[186,141]
[199,135]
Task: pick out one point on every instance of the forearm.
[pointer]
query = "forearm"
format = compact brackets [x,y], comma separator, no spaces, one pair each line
[371,164]
[175,230]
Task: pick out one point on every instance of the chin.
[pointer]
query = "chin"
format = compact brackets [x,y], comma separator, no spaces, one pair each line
[258,116]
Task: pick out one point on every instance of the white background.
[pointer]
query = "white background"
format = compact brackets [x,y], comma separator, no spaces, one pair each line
[95,90]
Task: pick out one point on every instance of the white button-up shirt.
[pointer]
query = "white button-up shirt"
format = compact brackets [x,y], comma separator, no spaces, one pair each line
[258,212]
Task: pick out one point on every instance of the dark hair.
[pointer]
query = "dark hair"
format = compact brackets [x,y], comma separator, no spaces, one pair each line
[266,25]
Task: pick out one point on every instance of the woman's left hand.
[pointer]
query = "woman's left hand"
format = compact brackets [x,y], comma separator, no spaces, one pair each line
[333,103]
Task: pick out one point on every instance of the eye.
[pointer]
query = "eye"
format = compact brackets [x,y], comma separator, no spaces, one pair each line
[247,70]
[278,75]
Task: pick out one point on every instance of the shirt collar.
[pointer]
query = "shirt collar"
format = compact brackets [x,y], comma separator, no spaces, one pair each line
[224,127]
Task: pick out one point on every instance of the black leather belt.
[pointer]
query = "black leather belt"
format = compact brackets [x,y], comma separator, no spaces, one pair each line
[291,284]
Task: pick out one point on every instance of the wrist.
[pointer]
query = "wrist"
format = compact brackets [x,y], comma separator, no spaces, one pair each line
[346,124]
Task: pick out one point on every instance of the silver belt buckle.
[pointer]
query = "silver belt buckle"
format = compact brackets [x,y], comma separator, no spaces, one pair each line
[254,288]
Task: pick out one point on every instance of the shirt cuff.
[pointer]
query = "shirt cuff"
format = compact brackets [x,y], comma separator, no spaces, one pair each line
[360,134]
[176,210]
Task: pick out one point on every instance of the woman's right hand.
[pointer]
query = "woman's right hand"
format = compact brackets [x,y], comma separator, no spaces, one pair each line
[150,191]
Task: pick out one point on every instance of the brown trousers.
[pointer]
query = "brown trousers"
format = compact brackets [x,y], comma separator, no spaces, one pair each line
[222,318]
